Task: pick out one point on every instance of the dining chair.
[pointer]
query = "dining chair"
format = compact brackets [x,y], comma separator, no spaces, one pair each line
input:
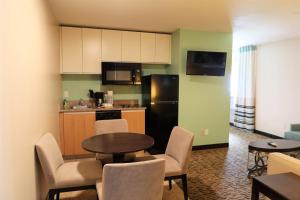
[111,126]
[65,176]
[132,181]
[177,156]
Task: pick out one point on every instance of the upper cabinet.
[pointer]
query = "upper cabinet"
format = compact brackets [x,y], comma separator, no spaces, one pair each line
[71,50]
[80,51]
[147,47]
[155,48]
[91,44]
[111,45]
[83,49]
[131,46]
[162,48]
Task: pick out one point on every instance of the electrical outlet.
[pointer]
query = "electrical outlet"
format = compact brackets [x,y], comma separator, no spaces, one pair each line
[203,131]
[206,131]
[66,94]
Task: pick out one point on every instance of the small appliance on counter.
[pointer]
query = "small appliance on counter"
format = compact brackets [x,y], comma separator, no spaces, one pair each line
[108,99]
[98,96]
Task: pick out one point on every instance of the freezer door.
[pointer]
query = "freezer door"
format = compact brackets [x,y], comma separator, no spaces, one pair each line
[164,88]
[162,119]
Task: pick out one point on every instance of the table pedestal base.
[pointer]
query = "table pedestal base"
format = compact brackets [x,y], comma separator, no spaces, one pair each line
[260,164]
[118,158]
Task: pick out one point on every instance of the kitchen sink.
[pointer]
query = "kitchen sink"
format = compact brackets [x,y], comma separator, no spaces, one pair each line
[79,107]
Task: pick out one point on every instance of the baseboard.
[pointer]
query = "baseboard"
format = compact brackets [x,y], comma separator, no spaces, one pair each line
[270,135]
[210,146]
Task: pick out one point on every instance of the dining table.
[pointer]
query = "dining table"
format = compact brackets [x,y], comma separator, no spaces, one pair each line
[117,144]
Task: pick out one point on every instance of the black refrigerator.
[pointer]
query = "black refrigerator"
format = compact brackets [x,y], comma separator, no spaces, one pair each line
[160,97]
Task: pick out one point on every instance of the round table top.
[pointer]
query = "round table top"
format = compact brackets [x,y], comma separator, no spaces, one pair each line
[117,143]
[283,145]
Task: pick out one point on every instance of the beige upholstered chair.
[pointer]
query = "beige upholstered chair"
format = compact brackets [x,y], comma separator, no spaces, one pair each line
[281,163]
[111,126]
[177,156]
[132,181]
[65,176]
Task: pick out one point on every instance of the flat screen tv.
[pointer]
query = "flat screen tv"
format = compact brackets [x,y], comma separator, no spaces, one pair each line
[206,63]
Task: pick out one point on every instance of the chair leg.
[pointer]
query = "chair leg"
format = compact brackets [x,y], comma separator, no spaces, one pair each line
[170,184]
[184,186]
[57,196]
[51,194]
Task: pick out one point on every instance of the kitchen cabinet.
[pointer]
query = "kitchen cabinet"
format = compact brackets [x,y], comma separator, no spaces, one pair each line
[91,44]
[111,46]
[147,47]
[83,49]
[163,48]
[131,46]
[71,50]
[135,120]
[75,127]
[136,123]
[80,51]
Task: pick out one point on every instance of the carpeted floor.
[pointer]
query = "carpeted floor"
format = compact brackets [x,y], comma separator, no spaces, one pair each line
[213,174]
[222,173]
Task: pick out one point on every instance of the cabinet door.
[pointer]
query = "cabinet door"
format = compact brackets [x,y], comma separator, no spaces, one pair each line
[71,50]
[77,127]
[163,48]
[131,46]
[135,120]
[111,45]
[91,44]
[147,47]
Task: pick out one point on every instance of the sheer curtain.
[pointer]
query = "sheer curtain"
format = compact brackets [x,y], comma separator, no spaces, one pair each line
[244,116]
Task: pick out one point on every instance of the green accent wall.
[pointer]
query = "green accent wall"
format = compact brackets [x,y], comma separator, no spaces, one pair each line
[203,100]
[78,85]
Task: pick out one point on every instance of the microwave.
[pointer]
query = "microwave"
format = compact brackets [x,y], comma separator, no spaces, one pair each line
[121,73]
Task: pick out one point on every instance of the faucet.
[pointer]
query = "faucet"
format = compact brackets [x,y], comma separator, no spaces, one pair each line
[81,102]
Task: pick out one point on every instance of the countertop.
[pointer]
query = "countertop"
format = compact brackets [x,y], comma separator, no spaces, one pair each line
[95,109]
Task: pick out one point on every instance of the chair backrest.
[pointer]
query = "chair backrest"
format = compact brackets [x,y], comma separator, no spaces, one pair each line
[133,181]
[110,126]
[295,127]
[49,155]
[180,146]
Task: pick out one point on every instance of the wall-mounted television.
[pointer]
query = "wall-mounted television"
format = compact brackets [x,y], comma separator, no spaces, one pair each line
[206,63]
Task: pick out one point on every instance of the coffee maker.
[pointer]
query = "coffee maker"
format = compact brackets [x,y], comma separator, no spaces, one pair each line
[97,96]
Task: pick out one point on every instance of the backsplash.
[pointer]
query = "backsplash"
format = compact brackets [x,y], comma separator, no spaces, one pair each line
[78,85]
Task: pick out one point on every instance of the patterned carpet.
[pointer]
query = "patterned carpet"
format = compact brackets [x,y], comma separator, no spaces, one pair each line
[222,173]
[213,174]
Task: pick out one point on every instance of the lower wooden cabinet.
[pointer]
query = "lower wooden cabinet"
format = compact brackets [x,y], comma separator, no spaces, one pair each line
[135,120]
[75,127]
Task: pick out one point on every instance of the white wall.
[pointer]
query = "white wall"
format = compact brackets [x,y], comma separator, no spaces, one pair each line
[278,86]
[30,89]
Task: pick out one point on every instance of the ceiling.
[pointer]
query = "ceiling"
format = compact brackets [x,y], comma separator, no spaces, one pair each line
[251,21]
